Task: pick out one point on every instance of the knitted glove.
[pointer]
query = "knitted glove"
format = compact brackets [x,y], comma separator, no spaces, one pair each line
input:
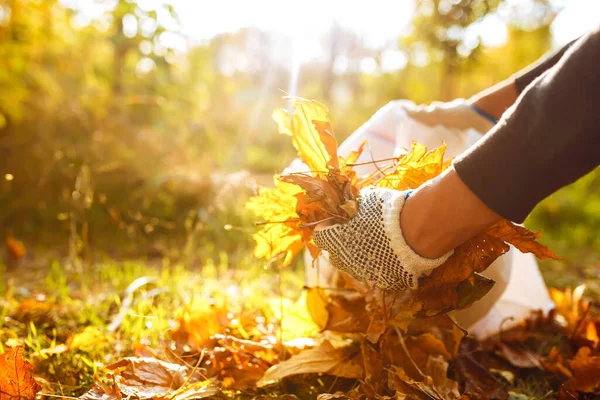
[371,247]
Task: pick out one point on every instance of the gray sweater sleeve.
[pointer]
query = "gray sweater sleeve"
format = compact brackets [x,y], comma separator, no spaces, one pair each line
[549,138]
[526,76]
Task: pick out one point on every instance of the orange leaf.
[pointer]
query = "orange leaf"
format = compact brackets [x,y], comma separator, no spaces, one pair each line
[556,363]
[15,248]
[16,379]
[586,368]
[522,238]
[200,319]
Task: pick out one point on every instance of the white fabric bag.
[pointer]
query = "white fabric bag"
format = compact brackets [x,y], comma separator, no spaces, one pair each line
[519,286]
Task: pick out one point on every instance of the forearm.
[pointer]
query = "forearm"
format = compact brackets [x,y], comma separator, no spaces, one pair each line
[443,214]
[497,99]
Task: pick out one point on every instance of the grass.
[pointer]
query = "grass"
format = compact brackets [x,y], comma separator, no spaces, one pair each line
[49,310]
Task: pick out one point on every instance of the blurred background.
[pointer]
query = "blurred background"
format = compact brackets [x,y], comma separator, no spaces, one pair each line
[137,129]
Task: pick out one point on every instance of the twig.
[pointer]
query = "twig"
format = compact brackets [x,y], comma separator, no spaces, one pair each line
[307,225]
[277,222]
[372,161]
[403,344]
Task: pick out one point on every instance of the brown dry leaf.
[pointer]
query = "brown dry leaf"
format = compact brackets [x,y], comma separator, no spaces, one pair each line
[456,298]
[146,378]
[567,391]
[348,313]
[16,379]
[435,383]
[518,356]
[317,153]
[443,328]
[345,362]
[320,193]
[422,346]
[555,363]
[197,390]
[101,391]
[522,238]
[375,370]
[262,351]
[377,326]
[586,369]
[471,369]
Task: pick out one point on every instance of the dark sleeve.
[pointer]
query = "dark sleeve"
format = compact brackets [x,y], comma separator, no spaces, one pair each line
[526,76]
[549,138]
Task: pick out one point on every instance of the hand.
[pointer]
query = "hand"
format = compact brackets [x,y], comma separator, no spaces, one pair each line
[458,114]
[371,247]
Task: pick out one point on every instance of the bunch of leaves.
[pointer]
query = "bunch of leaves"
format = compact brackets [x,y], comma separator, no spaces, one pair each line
[326,191]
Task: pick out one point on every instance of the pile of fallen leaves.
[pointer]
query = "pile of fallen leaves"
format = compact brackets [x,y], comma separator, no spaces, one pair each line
[357,355]
[370,344]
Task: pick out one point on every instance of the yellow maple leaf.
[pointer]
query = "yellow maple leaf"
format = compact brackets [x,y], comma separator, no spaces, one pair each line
[311,133]
[281,234]
[415,168]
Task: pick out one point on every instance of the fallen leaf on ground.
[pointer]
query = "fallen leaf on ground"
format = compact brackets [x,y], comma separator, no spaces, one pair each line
[586,369]
[199,320]
[435,383]
[16,379]
[345,362]
[556,363]
[518,356]
[149,378]
[479,382]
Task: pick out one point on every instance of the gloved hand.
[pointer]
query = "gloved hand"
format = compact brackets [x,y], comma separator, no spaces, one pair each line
[371,247]
[455,114]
